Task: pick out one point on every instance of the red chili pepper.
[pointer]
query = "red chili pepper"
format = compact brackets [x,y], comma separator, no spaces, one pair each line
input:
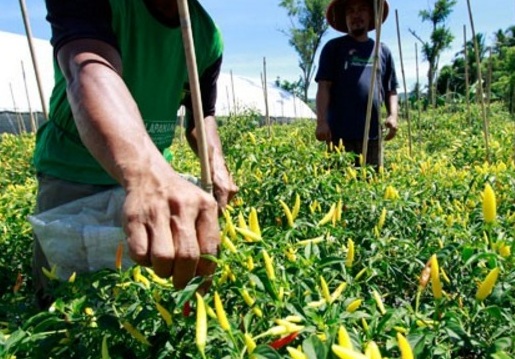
[281,342]
[186,309]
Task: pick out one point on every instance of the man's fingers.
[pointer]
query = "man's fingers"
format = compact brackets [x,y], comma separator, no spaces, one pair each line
[162,251]
[137,241]
[186,250]
[208,235]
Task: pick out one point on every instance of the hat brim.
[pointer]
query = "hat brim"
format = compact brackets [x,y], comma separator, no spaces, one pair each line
[335,15]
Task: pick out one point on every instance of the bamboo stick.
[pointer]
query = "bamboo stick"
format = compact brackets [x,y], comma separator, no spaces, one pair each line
[19,118]
[480,85]
[28,31]
[419,105]
[196,99]
[489,81]
[467,85]
[377,46]
[404,82]
[265,92]
[31,115]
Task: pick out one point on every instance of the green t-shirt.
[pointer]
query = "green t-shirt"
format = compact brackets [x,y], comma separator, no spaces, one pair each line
[155,72]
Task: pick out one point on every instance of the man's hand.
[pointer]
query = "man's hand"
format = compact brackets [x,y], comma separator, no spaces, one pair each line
[322,132]
[170,223]
[392,126]
[224,187]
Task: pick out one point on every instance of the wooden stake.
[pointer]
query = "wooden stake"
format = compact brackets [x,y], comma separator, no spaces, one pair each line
[265,91]
[419,105]
[196,99]
[31,115]
[377,47]
[480,85]
[404,82]
[33,56]
[19,118]
[467,85]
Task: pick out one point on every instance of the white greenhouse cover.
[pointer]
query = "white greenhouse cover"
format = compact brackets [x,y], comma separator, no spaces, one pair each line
[236,94]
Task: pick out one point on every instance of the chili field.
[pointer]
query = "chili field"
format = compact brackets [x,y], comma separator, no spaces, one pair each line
[319,259]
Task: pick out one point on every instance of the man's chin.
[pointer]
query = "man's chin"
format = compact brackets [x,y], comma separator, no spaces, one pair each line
[358,32]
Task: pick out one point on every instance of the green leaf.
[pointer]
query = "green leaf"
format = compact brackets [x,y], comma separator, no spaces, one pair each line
[188,292]
[265,352]
[314,348]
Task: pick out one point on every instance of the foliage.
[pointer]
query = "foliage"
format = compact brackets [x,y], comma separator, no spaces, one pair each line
[353,257]
[440,38]
[305,34]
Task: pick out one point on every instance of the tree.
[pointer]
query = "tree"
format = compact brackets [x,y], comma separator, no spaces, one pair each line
[439,41]
[305,33]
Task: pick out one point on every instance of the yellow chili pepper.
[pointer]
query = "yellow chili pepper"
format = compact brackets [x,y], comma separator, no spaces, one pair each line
[201,328]
[350,253]
[372,351]
[325,290]
[247,298]
[353,306]
[254,222]
[345,353]
[404,346]
[258,312]
[287,212]
[316,303]
[379,302]
[72,277]
[220,313]
[252,137]
[269,265]
[250,264]
[248,234]
[489,204]
[486,287]
[227,243]
[167,317]
[364,324]
[229,224]
[315,240]
[135,333]
[241,221]
[249,343]
[344,338]
[119,255]
[338,292]
[338,211]
[296,353]
[436,285]
[329,216]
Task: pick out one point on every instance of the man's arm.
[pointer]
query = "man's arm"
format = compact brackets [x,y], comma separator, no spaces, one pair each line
[322,132]
[392,106]
[169,222]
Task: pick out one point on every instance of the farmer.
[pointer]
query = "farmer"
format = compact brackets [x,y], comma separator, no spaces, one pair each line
[344,78]
[120,78]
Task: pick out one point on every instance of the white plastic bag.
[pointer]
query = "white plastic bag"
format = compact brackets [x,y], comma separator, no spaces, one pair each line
[83,235]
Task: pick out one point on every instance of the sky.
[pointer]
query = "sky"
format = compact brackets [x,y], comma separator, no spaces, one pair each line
[253,30]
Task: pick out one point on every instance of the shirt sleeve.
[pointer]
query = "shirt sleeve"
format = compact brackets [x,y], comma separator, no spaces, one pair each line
[325,64]
[208,88]
[79,19]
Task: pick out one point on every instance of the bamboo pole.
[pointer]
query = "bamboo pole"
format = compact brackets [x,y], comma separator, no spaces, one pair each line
[489,81]
[480,85]
[31,115]
[196,99]
[19,118]
[265,92]
[33,56]
[377,46]
[419,105]
[467,84]
[233,95]
[404,82]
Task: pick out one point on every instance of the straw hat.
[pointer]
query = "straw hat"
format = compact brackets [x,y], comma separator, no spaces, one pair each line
[336,14]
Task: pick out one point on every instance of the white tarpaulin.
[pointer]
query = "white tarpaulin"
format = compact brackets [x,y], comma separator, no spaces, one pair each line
[235,94]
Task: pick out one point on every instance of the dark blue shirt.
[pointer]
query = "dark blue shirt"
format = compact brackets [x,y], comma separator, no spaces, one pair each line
[348,65]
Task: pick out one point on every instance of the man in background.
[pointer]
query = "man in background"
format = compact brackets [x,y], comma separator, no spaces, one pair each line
[344,78]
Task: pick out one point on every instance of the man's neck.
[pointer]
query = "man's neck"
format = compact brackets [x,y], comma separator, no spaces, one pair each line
[360,38]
